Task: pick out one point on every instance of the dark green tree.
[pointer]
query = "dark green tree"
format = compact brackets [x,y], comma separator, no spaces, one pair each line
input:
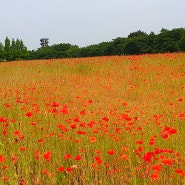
[13,50]
[181,44]
[21,50]
[7,49]
[118,45]
[138,33]
[166,41]
[2,53]
[73,52]
[132,47]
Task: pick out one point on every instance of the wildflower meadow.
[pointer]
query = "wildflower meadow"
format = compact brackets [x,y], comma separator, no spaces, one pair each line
[116,120]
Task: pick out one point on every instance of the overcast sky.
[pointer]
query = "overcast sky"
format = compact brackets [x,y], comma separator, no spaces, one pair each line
[85,22]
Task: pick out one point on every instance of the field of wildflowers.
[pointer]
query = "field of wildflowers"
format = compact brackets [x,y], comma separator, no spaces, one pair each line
[93,121]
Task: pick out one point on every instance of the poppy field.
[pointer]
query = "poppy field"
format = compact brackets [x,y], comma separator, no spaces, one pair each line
[116,120]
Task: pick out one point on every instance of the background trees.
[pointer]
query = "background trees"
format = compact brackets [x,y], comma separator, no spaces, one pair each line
[7,49]
[2,55]
[13,50]
[137,42]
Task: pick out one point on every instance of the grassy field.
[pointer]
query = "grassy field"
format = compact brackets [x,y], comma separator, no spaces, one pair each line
[93,121]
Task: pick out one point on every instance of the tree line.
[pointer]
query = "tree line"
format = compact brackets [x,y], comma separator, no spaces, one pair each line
[135,43]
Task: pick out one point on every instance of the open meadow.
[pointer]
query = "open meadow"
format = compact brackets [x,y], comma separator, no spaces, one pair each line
[93,121]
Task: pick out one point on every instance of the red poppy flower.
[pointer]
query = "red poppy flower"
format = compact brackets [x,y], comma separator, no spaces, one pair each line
[47,156]
[98,159]
[81,132]
[180,171]
[167,161]
[7,105]
[33,123]
[69,169]
[105,119]
[67,156]
[125,104]
[154,176]
[124,157]
[4,167]
[60,169]
[157,167]
[139,142]
[164,135]
[55,104]
[44,171]
[148,156]
[4,132]
[14,158]
[76,119]
[78,158]
[111,152]
[3,120]
[64,110]
[2,159]
[92,139]
[5,178]
[83,113]
[41,140]
[90,101]
[73,126]
[22,148]
[180,99]
[172,131]
[29,114]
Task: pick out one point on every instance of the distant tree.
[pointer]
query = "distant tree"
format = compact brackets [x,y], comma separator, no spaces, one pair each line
[181,44]
[176,34]
[132,47]
[106,48]
[2,53]
[73,52]
[7,49]
[21,50]
[152,33]
[83,52]
[61,50]
[163,30]
[43,53]
[138,33]
[92,50]
[118,45]
[13,50]
[166,41]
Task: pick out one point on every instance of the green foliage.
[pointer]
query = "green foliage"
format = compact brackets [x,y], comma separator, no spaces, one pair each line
[117,46]
[13,50]
[132,47]
[20,50]
[61,50]
[181,44]
[138,33]
[1,52]
[7,49]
